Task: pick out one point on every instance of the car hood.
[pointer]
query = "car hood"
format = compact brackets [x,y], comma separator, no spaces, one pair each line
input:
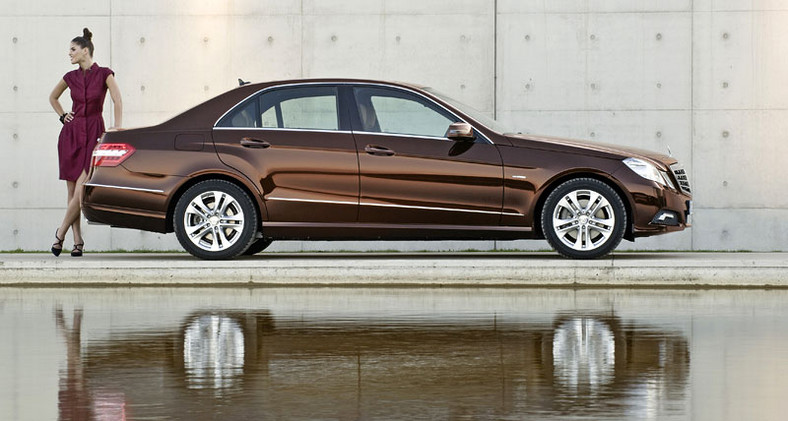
[584,146]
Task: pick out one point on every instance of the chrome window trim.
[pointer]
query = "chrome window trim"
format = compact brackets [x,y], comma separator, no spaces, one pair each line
[284,130]
[391,205]
[445,139]
[124,188]
[289,85]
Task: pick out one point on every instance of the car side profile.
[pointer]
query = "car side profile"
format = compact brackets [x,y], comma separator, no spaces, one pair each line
[341,159]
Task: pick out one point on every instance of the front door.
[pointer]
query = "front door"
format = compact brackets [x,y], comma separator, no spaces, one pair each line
[411,173]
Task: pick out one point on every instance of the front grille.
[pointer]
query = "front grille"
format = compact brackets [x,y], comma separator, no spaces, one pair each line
[682,178]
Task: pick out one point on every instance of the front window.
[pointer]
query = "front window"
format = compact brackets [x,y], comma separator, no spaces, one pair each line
[396,112]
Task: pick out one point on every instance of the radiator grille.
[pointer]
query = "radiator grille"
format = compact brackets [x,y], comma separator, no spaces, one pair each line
[682,178]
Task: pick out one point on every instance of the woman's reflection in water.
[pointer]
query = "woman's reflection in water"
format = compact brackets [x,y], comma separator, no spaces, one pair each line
[74,401]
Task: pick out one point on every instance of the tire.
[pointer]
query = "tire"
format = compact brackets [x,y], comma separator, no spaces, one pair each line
[584,218]
[215,220]
[258,246]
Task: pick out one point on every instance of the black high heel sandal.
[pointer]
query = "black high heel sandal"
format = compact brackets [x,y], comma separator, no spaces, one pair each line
[77,250]
[59,242]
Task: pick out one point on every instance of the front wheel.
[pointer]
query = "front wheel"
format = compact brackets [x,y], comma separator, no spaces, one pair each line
[584,218]
[215,219]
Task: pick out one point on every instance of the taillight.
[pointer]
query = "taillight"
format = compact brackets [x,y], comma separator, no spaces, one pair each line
[111,154]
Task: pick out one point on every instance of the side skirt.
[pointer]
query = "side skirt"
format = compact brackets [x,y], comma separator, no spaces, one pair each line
[366,231]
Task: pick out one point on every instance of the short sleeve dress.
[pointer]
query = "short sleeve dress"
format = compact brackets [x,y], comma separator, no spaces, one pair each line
[79,136]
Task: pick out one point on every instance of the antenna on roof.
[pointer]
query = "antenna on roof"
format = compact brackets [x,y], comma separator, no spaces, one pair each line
[242,83]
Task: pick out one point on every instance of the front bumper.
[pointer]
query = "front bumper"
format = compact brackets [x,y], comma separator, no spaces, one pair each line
[673,218]
[667,211]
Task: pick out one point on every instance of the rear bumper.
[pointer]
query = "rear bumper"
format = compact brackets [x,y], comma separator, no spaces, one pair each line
[120,198]
[125,217]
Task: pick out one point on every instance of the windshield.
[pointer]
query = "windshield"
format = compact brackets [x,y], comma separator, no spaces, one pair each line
[475,114]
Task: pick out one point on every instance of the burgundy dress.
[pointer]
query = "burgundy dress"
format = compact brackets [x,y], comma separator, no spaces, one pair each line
[80,136]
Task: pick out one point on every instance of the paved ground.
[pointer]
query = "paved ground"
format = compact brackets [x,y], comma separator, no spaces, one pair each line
[528,269]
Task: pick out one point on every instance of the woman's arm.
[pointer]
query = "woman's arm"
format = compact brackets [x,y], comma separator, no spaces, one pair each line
[54,100]
[114,93]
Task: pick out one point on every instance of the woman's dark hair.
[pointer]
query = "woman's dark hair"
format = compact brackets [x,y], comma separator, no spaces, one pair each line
[85,41]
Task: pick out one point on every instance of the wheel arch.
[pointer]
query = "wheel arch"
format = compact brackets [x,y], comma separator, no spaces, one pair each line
[256,201]
[604,178]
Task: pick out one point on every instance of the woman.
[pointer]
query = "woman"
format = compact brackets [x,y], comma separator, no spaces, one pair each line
[82,128]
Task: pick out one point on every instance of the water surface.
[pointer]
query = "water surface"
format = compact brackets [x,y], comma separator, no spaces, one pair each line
[350,354]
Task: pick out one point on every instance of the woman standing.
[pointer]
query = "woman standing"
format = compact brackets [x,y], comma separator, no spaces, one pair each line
[82,128]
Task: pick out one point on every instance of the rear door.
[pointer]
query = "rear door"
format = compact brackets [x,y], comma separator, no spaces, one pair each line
[295,143]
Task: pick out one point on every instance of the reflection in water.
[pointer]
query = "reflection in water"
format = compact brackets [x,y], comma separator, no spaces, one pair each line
[74,399]
[389,354]
[473,367]
[213,352]
[76,402]
[584,353]
[598,360]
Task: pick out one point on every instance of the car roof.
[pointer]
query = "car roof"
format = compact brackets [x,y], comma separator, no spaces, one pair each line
[204,115]
[282,82]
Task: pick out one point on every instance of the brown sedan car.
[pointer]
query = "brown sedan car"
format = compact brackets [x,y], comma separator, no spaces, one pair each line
[369,160]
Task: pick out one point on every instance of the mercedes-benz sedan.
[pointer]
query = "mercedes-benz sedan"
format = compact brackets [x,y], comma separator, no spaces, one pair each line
[370,160]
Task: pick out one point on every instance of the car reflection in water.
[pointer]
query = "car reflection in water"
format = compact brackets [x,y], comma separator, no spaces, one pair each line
[597,360]
[233,365]
[213,352]
[584,354]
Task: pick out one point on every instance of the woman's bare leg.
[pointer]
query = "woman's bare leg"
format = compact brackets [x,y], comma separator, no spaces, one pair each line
[76,227]
[74,210]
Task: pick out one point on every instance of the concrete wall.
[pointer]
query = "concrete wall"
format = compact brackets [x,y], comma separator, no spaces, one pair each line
[704,77]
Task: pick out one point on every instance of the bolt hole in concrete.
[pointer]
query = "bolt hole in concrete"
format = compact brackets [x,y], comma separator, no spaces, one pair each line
[386,353]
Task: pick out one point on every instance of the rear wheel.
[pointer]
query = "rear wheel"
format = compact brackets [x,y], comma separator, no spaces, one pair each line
[215,219]
[584,218]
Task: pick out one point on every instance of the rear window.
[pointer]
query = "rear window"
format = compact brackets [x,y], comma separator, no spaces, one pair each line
[300,107]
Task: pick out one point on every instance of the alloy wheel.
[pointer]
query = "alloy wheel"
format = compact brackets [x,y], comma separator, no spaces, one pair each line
[584,218]
[215,219]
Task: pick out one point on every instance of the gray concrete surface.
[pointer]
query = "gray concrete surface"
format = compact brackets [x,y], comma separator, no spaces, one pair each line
[673,270]
[704,77]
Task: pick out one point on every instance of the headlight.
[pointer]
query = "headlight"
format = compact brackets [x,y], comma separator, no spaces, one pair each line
[648,171]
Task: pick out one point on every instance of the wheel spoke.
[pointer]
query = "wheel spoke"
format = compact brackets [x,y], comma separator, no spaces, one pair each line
[604,226]
[595,202]
[578,243]
[222,202]
[198,207]
[566,228]
[191,230]
[233,218]
[570,204]
[583,219]
[231,227]
[199,238]
[225,242]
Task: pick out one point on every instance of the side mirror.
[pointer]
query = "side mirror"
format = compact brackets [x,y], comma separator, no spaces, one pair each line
[460,131]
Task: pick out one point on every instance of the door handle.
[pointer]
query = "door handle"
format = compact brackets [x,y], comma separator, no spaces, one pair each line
[378,150]
[250,142]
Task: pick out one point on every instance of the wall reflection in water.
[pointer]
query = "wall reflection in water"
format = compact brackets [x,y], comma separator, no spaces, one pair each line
[233,364]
